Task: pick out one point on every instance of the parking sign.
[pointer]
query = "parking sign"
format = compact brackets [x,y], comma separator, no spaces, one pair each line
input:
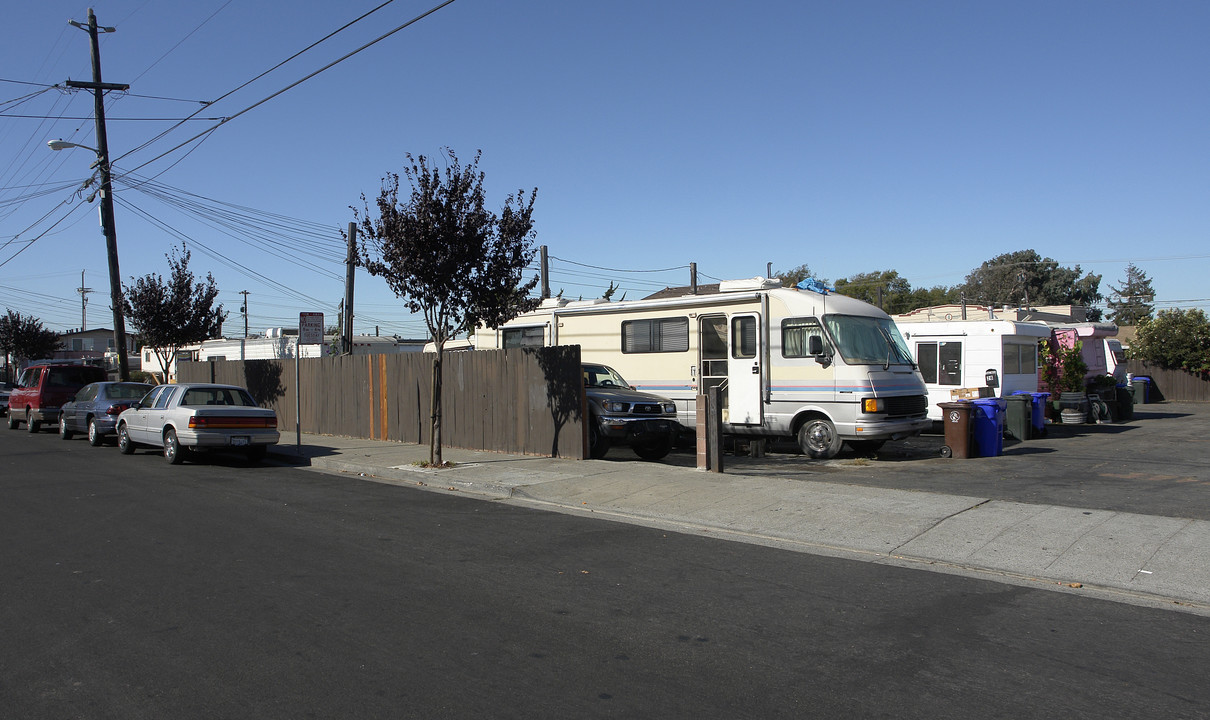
[310,328]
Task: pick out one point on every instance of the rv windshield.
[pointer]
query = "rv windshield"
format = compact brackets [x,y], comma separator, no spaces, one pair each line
[868,340]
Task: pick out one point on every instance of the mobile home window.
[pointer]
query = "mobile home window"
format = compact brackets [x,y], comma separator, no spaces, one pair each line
[796,334]
[940,362]
[1019,359]
[524,337]
[655,335]
[743,337]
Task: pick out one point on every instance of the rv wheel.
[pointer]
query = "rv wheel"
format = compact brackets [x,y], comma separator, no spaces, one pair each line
[818,440]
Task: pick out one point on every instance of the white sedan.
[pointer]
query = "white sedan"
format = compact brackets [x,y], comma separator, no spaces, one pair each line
[197,416]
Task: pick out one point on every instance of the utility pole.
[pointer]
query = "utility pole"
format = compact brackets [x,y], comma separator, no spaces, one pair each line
[346,331]
[107,220]
[83,302]
[244,309]
[545,271]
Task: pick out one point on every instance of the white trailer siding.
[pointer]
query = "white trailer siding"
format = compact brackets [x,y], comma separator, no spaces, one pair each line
[958,353]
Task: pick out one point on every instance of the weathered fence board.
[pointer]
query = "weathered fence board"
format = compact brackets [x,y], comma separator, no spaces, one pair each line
[1172,385]
[520,400]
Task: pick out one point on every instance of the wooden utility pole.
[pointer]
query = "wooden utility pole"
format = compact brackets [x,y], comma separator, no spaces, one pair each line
[346,331]
[107,221]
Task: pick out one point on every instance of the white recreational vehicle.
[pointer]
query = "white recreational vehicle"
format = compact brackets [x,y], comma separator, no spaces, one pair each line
[822,368]
[955,354]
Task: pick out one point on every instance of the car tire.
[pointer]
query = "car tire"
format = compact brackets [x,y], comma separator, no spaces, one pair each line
[598,444]
[13,422]
[125,445]
[173,452]
[95,437]
[64,433]
[654,451]
[818,440]
[32,426]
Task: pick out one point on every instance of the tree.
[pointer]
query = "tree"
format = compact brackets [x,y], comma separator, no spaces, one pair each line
[449,258]
[1174,339]
[793,276]
[1026,278]
[886,289]
[1133,298]
[24,338]
[170,315]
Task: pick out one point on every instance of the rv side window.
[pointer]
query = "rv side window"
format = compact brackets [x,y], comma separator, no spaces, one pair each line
[743,337]
[796,334]
[940,362]
[523,337]
[1019,359]
[655,335]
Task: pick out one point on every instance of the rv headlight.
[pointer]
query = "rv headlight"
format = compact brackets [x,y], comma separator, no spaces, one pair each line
[669,407]
[613,406]
[873,405]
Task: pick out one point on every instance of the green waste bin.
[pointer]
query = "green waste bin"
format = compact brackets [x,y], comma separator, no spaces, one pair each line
[1140,389]
[1019,416]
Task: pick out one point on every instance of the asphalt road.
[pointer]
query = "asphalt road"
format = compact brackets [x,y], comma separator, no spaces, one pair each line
[132,589]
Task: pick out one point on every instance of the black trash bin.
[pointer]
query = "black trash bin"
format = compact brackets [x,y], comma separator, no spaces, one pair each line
[956,418]
[1018,419]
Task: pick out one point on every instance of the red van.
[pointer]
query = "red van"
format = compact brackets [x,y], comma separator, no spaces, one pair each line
[42,389]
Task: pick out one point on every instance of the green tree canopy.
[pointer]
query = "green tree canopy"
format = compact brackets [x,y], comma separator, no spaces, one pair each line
[447,257]
[1026,277]
[885,289]
[1132,300]
[169,315]
[1174,339]
[793,276]
[24,338]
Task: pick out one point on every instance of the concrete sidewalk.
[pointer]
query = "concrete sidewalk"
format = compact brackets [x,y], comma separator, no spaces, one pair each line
[1140,559]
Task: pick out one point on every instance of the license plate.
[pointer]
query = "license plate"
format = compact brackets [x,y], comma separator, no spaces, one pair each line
[240,440]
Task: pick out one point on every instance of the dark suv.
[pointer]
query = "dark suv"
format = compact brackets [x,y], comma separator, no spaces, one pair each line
[619,413]
[42,389]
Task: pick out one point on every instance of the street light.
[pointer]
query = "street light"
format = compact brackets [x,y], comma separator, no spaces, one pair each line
[111,243]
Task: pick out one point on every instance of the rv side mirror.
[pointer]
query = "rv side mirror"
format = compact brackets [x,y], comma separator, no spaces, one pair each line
[815,345]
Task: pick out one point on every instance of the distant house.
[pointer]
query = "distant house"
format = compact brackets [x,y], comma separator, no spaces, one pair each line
[96,345]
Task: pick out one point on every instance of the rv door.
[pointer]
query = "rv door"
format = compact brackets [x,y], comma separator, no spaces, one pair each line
[744,371]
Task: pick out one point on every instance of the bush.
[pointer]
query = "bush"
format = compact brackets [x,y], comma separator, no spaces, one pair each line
[1175,340]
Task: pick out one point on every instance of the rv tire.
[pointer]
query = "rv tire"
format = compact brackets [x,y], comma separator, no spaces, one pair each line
[818,440]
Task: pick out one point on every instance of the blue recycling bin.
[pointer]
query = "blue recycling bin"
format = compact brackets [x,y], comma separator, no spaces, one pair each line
[988,419]
[1037,410]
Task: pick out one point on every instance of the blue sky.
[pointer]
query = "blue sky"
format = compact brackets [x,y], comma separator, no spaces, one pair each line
[922,137]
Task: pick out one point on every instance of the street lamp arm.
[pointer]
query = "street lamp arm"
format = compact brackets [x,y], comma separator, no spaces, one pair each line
[63,145]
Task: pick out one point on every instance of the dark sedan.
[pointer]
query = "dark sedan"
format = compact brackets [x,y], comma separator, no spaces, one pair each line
[96,407]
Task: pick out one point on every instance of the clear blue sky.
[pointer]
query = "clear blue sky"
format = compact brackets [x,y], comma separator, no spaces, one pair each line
[923,137]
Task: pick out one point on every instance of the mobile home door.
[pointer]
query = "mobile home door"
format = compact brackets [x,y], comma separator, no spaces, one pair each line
[743,370]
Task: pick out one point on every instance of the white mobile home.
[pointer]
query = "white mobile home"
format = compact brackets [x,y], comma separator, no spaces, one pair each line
[823,368]
[956,354]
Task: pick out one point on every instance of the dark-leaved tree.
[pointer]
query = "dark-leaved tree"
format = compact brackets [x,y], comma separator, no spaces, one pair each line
[447,257]
[24,338]
[1026,278]
[1132,301]
[170,315]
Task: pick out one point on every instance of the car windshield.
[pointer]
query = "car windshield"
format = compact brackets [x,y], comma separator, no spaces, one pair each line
[196,397]
[602,376]
[865,340]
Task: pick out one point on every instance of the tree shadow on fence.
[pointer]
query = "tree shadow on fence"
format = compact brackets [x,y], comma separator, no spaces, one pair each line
[560,367]
[263,380]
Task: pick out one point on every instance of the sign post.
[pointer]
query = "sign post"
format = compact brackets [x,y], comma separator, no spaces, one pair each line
[310,332]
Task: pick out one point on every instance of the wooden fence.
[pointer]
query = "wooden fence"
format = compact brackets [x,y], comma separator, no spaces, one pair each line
[524,400]
[1171,385]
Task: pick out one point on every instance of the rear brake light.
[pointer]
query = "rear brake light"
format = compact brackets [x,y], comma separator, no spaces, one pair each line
[115,409]
[216,422]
